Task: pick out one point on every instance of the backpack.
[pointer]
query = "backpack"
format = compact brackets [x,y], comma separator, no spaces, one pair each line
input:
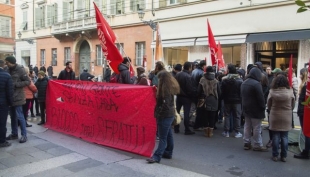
[115,78]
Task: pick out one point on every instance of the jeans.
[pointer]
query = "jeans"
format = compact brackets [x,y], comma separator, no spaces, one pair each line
[186,103]
[235,110]
[4,111]
[277,135]
[165,146]
[256,124]
[17,114]
[221,112]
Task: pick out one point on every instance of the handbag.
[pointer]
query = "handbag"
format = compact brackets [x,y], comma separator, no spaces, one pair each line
[177,118]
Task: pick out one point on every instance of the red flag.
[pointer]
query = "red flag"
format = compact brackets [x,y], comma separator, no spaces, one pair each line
[306,128]
[220,58]
[212,44]
[107,38]
[290,71]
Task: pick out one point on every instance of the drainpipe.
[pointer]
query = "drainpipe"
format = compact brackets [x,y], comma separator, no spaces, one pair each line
[153,11]
[34,32]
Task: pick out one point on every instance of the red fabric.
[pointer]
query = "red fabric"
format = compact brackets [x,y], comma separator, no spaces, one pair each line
[115,115]
[290,72]
[107,39]
[220,58]
[306,128]
[212,44]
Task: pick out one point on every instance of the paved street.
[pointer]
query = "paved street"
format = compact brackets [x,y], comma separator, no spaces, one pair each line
[48,153]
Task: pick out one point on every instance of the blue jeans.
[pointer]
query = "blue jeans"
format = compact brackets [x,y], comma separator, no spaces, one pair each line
[165,146]
[17,114]
[4,111]
[234,111]
[276,136]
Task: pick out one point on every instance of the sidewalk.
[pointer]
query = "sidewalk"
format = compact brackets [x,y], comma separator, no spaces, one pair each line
[48,153]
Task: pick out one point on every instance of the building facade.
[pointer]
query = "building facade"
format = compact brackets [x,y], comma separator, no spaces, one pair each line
[7,28]
[55,31]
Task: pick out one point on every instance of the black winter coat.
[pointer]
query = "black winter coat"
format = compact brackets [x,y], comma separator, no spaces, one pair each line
[6,89]
[63,75]
[41,85]
[85,76]
[125,74]
[302,97]
[231,89]
[253,102]
[164,107]
[186,86]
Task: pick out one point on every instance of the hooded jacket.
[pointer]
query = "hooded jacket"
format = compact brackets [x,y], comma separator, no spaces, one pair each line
[41,85]
[125,74]
[253,102]
[20,80]
[231,87]
[210,88]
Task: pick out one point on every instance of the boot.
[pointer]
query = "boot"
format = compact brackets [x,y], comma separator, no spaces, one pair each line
[210,132]
[206,130]
[303,155]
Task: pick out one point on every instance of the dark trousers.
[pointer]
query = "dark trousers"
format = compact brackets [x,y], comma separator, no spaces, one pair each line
[307,139]
[4,111]
[42,109]
[26,108]
[209,118]
[34,100]
[199,118]
[186,103]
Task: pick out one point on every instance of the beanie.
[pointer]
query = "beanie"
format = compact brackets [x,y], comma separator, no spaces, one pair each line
[209,69]
[10,59]
[42,73]
[178,67]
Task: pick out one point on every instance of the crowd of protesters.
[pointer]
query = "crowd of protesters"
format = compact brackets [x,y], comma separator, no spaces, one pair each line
[208,96]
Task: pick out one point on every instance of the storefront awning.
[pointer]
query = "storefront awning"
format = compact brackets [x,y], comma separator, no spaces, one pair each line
[278,36]
[232,39]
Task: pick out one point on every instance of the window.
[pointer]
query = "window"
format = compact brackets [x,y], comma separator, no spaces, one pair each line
[67,55]
[54,57]
[117,7]
[24,26]
[102,6]
[5,26]
[51,12]
[83,7]
[99,55]
[5,1]
[140,51]
[173,1]
[68,10]
[120,47]
[40,16]
[136,5]
[42,57]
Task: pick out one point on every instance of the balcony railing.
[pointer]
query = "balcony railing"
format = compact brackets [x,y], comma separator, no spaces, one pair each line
[78,24]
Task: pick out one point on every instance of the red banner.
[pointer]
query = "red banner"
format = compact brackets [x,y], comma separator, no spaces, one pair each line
[212,44]
[220,58]
[115,115]
[306,128]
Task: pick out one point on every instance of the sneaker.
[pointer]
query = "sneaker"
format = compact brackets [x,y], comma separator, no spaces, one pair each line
[247,146]
[238,135]
[12,137]
[269,144]
[225,134]
[261,149]
[23,139]
[5,144]
[283,159]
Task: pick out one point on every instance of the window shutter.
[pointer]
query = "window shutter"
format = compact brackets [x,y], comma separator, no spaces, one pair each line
[163,3]
[49,14]
[133,6]
[38,17]
[55,13]
[113,7]
[141,4]
[93,9]
[103,6]
[43,13]
[81,8]
[65,11]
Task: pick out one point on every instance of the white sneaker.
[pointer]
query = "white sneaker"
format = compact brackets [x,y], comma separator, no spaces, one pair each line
[225,134]
[238,135]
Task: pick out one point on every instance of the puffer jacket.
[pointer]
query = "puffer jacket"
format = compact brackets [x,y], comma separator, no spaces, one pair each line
[231,87]
[20,80]
[30,90]
[41,85]
[253,102]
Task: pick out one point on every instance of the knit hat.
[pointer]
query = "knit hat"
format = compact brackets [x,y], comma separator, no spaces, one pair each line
[10,59]
[42,73]
[276,70]
[209,69]
[178,67]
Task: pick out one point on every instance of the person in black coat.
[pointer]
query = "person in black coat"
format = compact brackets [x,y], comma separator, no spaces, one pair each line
[6,100]
[85,76]
[50,71]
[43,68]
[107,74]
[123,69]
[253,106]
[67,73]
[41,85]
[36,70]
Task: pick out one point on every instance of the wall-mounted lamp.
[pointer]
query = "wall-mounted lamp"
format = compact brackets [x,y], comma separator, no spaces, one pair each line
[151,23]
[19,34]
